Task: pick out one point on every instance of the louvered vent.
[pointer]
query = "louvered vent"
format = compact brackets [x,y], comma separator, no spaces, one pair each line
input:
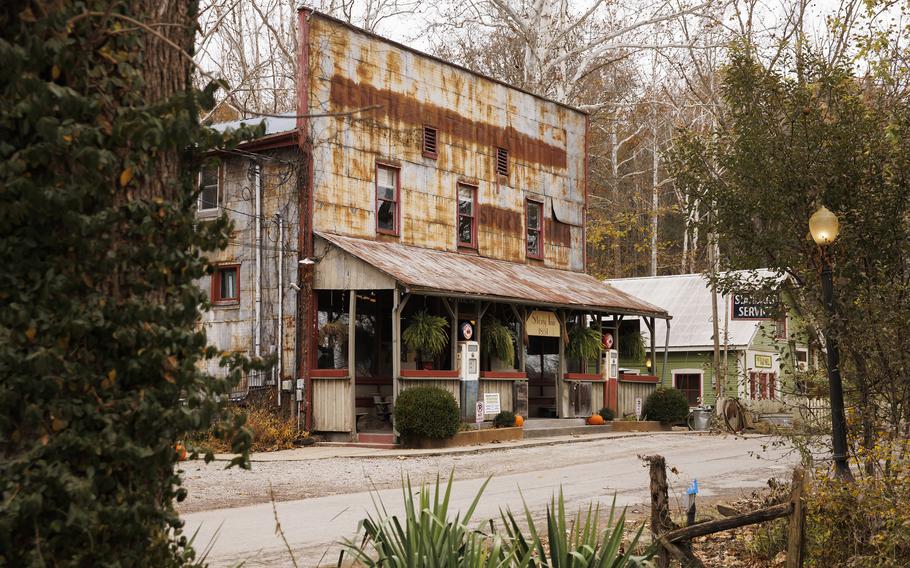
[502,161]
[429,141]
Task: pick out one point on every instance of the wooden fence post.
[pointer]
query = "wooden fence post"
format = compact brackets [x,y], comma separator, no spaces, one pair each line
[660,505]
[795,548]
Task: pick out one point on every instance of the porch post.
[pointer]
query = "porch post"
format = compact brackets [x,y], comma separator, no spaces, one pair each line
[521,336]
[352,354]
[397,307]
[653,347]
[561,411]
[453,329]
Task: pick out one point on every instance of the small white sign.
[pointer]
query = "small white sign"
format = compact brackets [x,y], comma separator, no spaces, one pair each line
[638,408]
[478,412]
[491,402]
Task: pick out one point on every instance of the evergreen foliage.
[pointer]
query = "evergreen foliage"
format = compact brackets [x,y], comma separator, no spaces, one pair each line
[668,405]
[100,145]
[504,419]
[427,412]
[607,413]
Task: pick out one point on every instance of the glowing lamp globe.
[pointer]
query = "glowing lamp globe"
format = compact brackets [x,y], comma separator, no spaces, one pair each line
[823,226]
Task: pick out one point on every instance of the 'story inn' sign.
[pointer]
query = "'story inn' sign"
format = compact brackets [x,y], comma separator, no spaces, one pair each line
[747,307]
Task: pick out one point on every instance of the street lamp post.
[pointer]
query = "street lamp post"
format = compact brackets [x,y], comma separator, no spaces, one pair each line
[824,228]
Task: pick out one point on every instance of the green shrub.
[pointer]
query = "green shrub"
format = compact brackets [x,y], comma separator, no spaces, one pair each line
[668,405]
[504,419]
[427,412]
[607,413]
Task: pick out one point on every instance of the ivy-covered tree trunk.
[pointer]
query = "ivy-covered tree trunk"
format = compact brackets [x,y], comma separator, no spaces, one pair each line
[100,144]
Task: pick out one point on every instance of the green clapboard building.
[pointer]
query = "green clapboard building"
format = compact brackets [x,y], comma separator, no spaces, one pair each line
[761,348]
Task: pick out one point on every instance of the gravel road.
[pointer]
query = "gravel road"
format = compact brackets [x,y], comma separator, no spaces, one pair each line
[214,487]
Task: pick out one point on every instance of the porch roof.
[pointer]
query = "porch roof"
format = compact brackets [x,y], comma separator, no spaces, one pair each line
[432,271]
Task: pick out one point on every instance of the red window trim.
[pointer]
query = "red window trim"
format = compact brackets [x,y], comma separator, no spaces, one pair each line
[215,295]
[780,327]
[428,373]
[397,223]
[475,189]
[701,382]
[540,230]
[426,153]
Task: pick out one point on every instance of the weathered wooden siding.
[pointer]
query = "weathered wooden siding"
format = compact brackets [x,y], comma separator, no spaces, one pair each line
[628,392]
[503,387]
[333,405]
[350,69]
[597,396]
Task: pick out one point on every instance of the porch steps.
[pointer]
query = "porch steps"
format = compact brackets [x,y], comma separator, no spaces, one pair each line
[549,427]
[376,438]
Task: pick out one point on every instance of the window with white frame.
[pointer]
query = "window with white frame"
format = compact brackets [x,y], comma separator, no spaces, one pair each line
[209,189]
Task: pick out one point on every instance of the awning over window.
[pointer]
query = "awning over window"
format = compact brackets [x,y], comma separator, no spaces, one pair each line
[430,271]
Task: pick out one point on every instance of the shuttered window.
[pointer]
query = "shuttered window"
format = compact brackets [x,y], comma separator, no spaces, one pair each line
[429,142]
[502,161]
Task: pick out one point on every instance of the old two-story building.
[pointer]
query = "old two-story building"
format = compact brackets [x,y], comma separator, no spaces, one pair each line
[407,187]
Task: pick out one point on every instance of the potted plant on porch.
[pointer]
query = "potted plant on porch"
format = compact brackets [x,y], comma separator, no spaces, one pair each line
[426,336]
[585,344]
[497,343]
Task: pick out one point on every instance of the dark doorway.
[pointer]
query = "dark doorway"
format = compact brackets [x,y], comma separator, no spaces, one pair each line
[542,368]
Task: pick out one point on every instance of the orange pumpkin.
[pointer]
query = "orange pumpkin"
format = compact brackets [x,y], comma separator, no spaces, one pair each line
[181,452]
[519,421]
[596,420]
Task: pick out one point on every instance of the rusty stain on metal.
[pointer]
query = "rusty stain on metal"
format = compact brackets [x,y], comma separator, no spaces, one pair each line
[348,94]
[556,232]
[499,219]
[428,270]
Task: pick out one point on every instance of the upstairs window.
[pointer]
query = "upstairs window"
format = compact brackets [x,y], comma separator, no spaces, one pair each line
[429,142]
[780,326]
[535,229]
[502,161]
[226,284]
[467,215]
[387,215]
[209,189]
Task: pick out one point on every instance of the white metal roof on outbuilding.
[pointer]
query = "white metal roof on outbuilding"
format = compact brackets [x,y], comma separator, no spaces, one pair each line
[687,299]
[273,124]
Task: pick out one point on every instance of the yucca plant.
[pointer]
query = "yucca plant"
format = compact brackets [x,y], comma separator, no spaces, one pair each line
[580,545]
[424,537]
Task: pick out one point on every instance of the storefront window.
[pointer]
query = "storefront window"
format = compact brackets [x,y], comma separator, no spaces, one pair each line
[332,329]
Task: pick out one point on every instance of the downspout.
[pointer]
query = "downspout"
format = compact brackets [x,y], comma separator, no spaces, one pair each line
[280,304]
[663,371]
[257,284]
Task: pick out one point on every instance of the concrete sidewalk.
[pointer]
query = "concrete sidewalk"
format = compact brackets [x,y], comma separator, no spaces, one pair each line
[319,452]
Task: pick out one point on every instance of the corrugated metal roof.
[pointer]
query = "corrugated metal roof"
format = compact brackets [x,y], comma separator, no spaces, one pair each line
[424,269]
[273,124]
[687,298]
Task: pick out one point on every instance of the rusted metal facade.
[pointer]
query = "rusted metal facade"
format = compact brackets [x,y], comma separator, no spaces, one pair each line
[365,102]
[402,91]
